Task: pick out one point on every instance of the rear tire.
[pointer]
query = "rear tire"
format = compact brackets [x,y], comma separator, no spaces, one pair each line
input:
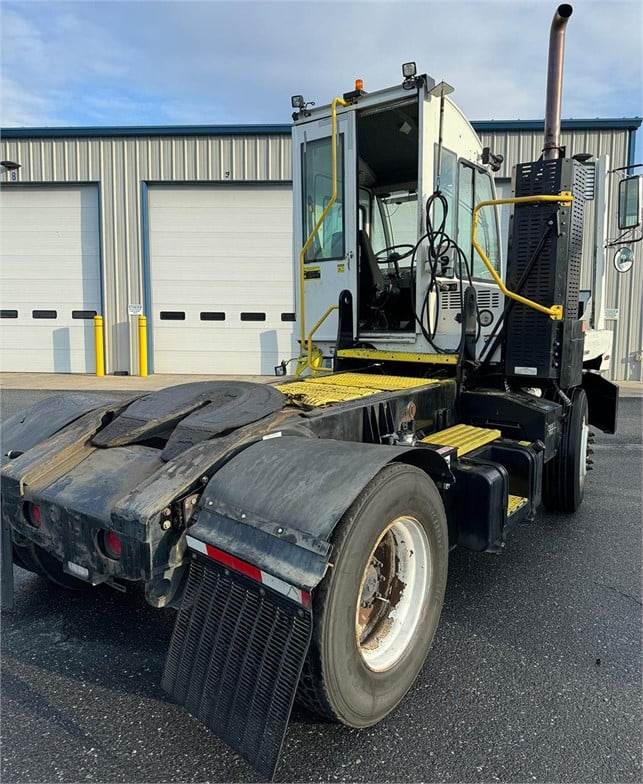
[564,475]
[390,550]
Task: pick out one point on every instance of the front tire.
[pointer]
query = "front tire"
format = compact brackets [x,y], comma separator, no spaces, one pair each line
[564,475]
[376,611]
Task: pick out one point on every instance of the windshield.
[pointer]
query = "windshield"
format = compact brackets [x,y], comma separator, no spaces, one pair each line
[400,212]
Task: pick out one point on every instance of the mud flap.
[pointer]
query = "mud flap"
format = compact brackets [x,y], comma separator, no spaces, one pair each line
[237,652]
[602,401]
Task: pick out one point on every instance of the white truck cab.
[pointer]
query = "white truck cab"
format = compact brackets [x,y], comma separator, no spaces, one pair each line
[395,148]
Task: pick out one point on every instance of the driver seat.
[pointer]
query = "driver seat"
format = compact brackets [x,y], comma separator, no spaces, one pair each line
[371,279]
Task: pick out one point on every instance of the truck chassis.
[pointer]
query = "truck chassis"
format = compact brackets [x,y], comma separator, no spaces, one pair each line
[230,501]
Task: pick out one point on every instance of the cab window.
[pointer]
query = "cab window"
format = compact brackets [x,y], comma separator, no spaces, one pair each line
[487,227]
[378,236]
[475,185]
[465,208]
[446,183]
[317,190]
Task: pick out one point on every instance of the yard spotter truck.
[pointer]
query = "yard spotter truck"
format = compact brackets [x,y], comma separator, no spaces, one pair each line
[302,530]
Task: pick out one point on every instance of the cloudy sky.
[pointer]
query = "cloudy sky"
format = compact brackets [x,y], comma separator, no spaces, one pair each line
[181,62]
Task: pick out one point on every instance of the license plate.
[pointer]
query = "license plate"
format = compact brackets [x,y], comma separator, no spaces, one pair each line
[77,570]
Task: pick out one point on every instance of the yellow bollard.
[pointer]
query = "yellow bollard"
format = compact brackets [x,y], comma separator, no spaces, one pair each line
[142,346]
[99,345]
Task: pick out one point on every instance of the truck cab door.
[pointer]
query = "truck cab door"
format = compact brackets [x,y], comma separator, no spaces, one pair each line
[331,261]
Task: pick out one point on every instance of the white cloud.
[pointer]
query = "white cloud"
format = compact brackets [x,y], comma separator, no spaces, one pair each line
[21,107]
[202,62]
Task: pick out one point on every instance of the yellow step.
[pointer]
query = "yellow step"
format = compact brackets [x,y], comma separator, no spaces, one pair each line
[397,356]
[463,438]
[514,503]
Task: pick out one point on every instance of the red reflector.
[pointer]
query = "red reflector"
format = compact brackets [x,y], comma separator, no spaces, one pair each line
[111,544]
[34,515]
[234,563]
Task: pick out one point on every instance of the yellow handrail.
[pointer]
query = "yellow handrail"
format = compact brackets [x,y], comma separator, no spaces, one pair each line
[309,338]
[564,197]
[315,231]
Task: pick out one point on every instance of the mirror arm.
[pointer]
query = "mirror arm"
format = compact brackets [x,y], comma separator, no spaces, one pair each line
[620,241]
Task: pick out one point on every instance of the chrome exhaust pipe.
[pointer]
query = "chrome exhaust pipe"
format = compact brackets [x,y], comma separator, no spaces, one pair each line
[551,150]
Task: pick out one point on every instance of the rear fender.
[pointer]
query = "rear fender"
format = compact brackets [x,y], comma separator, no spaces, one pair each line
[261,541]
[276,504]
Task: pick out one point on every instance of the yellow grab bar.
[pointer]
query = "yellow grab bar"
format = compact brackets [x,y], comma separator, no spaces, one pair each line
[315,231]
[309,338]
[564,197]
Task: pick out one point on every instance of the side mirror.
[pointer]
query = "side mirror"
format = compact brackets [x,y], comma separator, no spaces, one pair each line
[623,259]
[629,203]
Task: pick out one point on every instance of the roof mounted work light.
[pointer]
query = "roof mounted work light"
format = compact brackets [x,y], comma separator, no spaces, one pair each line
[299,103]
[409,70]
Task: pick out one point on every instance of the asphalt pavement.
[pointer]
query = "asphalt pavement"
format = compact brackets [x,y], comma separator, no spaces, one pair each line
[535,674]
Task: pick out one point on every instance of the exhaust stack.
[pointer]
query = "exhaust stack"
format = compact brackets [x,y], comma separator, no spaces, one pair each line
[551,149]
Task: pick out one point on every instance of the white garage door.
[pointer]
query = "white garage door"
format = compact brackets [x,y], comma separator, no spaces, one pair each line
[49,278]
[221,280]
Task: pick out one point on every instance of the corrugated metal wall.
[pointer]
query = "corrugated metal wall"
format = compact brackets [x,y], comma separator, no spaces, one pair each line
[121,164]
[624,292]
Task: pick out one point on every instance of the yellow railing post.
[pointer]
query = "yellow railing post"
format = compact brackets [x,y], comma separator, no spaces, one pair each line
[142,346]
[554,312]
[99,345]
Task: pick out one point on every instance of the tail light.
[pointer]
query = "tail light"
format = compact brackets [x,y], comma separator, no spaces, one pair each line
[110,544]
[33,514]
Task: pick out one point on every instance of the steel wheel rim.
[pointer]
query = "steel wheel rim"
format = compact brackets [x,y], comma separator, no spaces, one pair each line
[584,437]
[393,593]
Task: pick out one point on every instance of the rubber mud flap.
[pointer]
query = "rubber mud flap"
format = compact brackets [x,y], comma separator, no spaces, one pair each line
[235,659]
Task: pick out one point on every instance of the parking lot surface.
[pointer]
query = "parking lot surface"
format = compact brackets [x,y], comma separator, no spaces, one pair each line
[535,674]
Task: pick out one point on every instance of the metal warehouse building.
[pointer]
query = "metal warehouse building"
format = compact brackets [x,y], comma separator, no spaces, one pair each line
[193,226]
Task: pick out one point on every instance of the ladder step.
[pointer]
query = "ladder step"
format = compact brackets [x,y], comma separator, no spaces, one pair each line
[397,356]
[514,503]
[463,438]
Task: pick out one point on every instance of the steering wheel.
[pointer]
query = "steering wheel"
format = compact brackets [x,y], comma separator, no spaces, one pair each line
[395,249]
[394,256]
